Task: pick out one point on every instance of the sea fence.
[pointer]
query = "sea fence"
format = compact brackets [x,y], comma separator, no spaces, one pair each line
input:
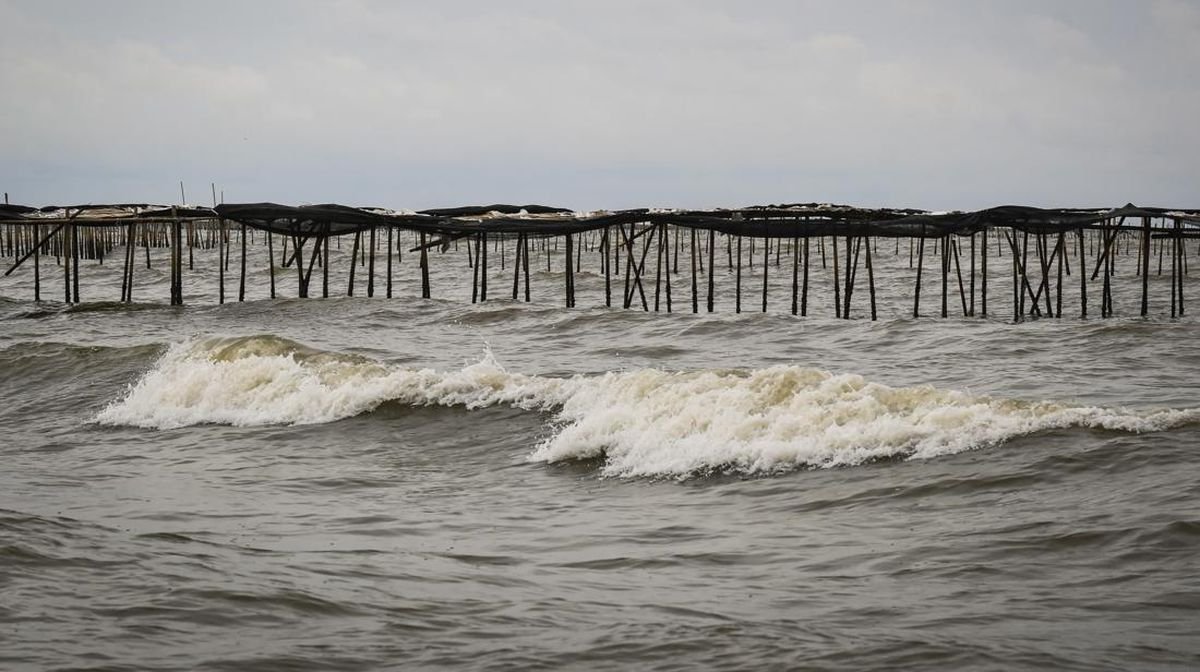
[1049,260]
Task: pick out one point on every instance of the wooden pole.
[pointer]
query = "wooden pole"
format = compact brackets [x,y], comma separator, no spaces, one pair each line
[695,284]
[712,237]
[425,267]
[525,263]
[962,295]
[658,257]
[738,292]
[1181,247]
[242,276]
[851,264]
[37,263]
[516,268]
[75,262]
[837,290]
[871,280]
[323,241]
[1059,250]
[1082,275]
[371,263]
[354,260]
[570,275]
[920,267]
[945,256]
[271,259]
[1174,268]
[804,287]
[971,311]
[983,274]
[606,261]
[221,252]
[796,274]
[1145,259]
[765,264]
[481,262]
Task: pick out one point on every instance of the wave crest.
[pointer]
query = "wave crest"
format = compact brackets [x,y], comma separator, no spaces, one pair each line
[264,380]
[644,422]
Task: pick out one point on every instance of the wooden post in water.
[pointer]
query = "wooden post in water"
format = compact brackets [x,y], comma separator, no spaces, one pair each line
[127,268]
[1060,251]
[666,236]
[658,258]
[66,256]
[766,263]
[695,284]
[323,241]
[297,246]
[712,237]
[606,262]
[481,262]
[738,291]
[271,259]
[871,280]
[1174,268]
[389,260]
[242,276]
[1145,270]
[425,268]
[1181,246]
[525,263]
[177,249]
[371,263]
[962,295]
[568,267]
[945,256]
[1016,280]
[920,267]
[516,268]
[804,288]
[851,264]
[983,274]
[971,309]
[1024,269]
[221,252]
[37,267]
[795,274]
[1082,274]
[837,290]
[474,268]
[1106,292]
[75,263]
[354,259]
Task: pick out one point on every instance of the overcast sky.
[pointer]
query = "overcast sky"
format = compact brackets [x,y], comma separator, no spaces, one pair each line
[603,103]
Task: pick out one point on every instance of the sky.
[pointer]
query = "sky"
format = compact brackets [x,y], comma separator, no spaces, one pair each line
[590,104]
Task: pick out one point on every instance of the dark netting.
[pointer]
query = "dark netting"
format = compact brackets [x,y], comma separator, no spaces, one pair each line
[8,211]
[764,221]
[306,220]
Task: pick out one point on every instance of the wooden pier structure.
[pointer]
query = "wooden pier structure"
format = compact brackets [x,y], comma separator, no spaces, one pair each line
[1042,254]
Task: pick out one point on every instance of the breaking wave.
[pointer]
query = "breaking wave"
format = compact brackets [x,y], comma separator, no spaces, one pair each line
[643,423]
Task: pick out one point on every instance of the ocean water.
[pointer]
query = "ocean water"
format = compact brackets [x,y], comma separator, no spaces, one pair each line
[373,483]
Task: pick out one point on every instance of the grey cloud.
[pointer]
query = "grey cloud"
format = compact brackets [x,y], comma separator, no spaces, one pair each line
[603,104]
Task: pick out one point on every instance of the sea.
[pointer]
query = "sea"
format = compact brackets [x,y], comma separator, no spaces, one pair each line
[375,483]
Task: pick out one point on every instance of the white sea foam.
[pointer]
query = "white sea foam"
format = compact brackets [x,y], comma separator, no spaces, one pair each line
[264,380]
[645,422]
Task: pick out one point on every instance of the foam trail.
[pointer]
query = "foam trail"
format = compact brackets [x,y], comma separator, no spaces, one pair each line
[645,422]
